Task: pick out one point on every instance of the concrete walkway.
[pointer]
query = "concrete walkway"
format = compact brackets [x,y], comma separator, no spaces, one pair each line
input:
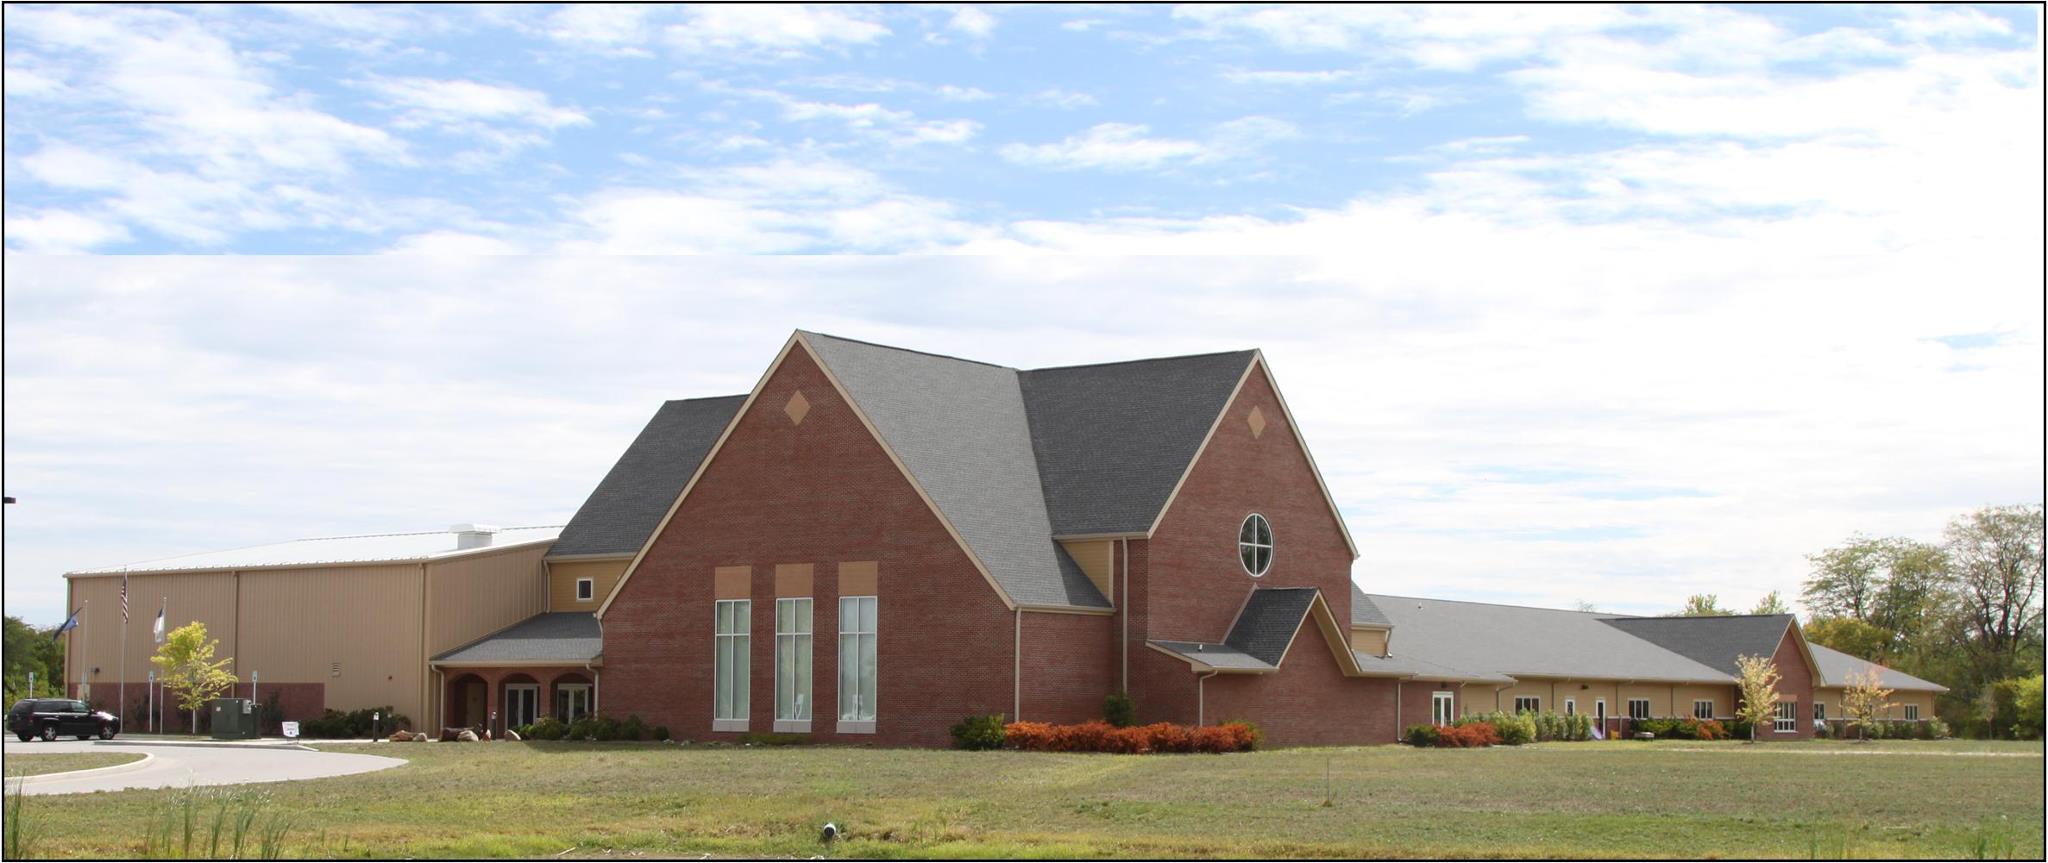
[179,764]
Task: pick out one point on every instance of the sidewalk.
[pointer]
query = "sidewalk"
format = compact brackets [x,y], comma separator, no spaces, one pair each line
[197,740]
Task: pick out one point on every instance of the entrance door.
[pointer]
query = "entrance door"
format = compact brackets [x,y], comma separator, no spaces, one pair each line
[473,697]
[1600,715]
[572,701]
[522,703]
[1440,708]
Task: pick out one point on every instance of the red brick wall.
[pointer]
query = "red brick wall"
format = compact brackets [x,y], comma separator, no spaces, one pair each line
[1070,665]
[1415,701]
[1195,583]
[821,493]
[1162,687]
[1308,701]
[1795,683]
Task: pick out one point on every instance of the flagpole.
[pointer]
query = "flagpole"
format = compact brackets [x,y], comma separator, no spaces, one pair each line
[121,691]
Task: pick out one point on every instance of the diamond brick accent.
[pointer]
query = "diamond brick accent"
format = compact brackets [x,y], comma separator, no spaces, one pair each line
[797,407]
[1257,420]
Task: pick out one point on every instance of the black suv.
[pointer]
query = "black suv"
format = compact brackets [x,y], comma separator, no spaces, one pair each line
[50,717]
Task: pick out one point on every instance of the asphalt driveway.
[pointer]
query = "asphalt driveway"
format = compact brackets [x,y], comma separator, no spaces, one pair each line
[175,765]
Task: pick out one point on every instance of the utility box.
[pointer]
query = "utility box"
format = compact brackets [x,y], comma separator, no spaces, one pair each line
[234,719]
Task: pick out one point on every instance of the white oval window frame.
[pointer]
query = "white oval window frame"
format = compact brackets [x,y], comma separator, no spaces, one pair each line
[1271,547]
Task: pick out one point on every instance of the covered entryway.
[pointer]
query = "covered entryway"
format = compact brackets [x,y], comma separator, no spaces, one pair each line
[546,665]
[466,702]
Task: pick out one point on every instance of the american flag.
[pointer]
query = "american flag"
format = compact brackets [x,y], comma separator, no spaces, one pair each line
[124,597]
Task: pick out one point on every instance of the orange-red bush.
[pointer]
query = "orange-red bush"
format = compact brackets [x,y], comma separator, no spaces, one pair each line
[1468,736]
[1102,737]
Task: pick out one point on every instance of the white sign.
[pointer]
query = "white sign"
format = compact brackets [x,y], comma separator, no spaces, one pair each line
[291,729]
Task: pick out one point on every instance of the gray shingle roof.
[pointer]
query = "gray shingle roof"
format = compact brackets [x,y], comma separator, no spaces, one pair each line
[558,638]
[1267,623]
[960,428]
[1363,612]
[1485,639]
[618,517]
[1216,655]
[1836,667]
[1409,666]
[1113,439]
[1715,642]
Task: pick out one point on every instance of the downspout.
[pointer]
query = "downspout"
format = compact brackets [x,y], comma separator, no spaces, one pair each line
[1017,668]
[1199,706]
[1125,687]
[1496,695]
[594,686]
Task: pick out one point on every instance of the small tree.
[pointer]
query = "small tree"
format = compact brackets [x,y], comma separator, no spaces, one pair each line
[186,665]
[1758,680]
[1864,702]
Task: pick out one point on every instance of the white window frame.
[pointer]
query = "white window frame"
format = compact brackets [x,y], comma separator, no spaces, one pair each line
[794,657]
[532,699]
[1255,545]
[1707,703]
[1820,711]
[1535,703]
[860,719]
[732,636]
[1571,707]
[1600,714]
[1442,706]
[573,693]
[1785,718]
[586,589]
[1912,712]
[1632,709]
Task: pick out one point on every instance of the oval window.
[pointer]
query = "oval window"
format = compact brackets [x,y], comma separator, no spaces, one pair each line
[1255,545]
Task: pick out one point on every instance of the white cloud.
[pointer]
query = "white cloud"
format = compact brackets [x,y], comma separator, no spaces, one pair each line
[62,232]
[1292,78]
[1131,147]
[1066,100]
[779,31]
[428,101]
[616,28]
[973,22]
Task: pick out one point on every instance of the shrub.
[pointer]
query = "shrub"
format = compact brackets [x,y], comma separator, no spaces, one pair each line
[633,728]
[1469,735]
[1738,729]
[548,728]
[1420,735]
[1937,729]
[334,724]
[1118,710]
[981,731]
[582,729]
[1510,728]
[1710,729]
[1252,735]
[1578,727]
[2027,707]
[661,733]
[1097,736]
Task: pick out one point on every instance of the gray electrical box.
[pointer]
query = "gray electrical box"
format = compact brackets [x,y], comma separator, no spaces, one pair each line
[234,719]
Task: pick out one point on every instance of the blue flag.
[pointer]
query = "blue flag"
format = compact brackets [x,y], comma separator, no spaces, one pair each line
[69,624]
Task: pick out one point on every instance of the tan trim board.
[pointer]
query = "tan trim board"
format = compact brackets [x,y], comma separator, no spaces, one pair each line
[1066,609]
[732,582]
[710,454]
[582,558]
[457,663]
[793,580]
[1084,537]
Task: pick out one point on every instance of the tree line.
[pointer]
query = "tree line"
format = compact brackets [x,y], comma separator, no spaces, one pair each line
[1965,612]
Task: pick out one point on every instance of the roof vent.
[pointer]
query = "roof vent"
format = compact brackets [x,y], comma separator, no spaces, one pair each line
[469,536]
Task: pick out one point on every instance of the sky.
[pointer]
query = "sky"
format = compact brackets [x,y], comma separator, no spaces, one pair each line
[1575,304]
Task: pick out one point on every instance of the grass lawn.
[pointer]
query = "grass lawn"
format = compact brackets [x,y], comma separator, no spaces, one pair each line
[37,765]
[1615,799]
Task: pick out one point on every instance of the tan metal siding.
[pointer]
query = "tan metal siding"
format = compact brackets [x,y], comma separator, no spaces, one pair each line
[1097,558]
[208,598]
[304,625]
[471,597]
[562,576]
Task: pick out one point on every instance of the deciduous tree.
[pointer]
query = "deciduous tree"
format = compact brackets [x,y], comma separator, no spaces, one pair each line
[1703,605]
[188,670]
[1772,603]
[1995,560]
[1864,702]
[1757,679]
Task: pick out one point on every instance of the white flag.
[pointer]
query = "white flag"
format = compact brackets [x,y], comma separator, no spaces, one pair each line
[159,630]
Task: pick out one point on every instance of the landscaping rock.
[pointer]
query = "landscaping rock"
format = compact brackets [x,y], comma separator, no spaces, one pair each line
[512,735]
[401,737]
[467,736]
[450,735]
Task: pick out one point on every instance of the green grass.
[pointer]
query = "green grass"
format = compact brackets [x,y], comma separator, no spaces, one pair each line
[1617,799]
[37,765]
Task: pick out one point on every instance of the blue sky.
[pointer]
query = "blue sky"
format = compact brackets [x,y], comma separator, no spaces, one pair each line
[1576,303]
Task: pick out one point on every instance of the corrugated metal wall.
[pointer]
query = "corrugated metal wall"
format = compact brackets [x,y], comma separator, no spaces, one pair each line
[355,629]
[471,597]
[302,625]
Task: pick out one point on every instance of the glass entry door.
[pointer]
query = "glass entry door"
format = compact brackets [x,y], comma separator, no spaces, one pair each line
[522,703]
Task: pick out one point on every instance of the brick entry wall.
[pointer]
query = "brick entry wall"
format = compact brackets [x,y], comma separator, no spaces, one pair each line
[821,492]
